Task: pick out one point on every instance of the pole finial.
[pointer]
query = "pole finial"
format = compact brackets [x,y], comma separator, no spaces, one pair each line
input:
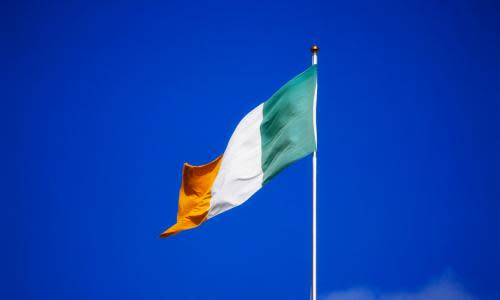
[314,49]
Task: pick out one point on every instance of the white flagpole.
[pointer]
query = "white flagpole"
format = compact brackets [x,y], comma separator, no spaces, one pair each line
[314,51]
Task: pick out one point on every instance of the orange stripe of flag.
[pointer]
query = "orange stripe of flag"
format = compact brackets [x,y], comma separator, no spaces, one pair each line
[194,196]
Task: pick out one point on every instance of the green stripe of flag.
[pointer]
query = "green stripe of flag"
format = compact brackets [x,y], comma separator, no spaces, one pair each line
[287,129]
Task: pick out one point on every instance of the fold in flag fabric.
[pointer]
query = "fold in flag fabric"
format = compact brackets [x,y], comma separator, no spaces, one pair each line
[272,136]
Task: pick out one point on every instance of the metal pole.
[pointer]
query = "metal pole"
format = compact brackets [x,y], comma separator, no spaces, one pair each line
[314,51]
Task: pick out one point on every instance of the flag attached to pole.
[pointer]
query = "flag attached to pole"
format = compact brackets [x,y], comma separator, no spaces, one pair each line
[272,136]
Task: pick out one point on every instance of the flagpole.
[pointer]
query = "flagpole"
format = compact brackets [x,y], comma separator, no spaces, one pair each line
[314,51]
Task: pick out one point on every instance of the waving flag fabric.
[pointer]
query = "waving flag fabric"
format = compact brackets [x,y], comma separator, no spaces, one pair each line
[272,136]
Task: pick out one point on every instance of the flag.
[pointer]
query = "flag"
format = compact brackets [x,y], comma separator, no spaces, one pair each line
[272,136]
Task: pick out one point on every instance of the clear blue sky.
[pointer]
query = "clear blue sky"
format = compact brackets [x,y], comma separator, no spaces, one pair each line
[103,102]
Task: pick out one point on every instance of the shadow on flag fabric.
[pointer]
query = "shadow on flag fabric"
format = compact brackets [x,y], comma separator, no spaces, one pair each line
[269,138]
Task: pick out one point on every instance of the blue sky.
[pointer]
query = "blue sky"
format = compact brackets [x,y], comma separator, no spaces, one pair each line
[103,102]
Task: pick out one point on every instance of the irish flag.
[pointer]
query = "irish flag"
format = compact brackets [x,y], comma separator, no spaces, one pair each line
[269,138]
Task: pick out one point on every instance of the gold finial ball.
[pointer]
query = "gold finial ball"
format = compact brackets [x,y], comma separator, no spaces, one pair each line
[314,49]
